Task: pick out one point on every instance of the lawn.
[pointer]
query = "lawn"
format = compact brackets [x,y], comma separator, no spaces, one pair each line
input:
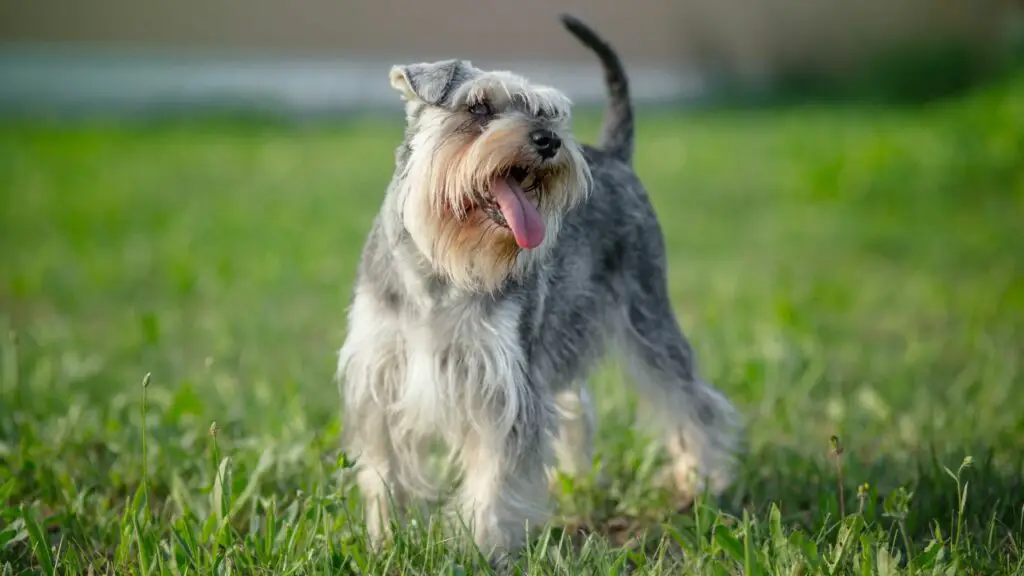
[843,272]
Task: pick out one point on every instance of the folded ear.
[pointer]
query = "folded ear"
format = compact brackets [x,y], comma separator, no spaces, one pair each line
[430,82]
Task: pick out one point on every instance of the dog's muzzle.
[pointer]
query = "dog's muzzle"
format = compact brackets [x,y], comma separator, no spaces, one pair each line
[546,143]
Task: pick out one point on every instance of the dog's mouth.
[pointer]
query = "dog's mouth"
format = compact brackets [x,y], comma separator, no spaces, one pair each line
[489,204]
[511,203]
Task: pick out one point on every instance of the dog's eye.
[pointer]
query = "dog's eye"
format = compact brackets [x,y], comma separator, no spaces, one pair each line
[480,109]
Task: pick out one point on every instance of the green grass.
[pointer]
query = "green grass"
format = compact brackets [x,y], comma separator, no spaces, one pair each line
[842,271]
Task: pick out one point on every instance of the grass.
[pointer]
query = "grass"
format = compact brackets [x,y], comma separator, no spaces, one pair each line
[173,295]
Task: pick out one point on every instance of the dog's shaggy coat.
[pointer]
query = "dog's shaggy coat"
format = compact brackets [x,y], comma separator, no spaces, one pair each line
[476,316]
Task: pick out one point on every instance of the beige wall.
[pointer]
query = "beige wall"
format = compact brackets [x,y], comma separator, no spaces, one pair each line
[754,36]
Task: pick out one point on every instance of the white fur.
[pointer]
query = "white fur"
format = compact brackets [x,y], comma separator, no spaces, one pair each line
[574,446]
[393,363]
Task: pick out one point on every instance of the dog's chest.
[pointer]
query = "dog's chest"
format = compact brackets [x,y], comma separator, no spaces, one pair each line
[460,359]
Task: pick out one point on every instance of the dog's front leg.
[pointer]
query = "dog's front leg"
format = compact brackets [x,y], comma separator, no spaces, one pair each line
[371,366]
[504,489]
[377,477]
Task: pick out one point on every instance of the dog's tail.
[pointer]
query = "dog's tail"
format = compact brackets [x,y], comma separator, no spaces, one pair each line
[617,132]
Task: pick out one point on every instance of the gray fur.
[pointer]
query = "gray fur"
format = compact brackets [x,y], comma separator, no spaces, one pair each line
[499,374]
[616,136]
[434,82]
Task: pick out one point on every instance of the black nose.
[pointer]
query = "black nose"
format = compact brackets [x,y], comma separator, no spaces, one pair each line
[546,143]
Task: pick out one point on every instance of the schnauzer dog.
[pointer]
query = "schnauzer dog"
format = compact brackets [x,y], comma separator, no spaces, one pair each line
[506,259]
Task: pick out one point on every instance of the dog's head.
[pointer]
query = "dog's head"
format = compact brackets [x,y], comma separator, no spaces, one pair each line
[487,171]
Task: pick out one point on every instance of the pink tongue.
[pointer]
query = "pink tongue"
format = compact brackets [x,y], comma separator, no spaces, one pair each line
[522,216]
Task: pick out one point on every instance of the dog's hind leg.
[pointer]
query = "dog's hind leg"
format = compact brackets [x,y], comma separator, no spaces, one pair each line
[574,445]
[701,426]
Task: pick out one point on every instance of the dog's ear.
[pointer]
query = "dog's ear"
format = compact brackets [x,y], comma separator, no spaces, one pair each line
[430,82]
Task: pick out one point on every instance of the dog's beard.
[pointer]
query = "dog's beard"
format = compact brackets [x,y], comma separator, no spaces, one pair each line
[480,204]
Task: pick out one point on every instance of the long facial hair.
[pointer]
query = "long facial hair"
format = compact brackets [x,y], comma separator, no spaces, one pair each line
[453,162]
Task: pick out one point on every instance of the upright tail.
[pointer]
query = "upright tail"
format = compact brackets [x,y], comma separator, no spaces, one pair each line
[617,132]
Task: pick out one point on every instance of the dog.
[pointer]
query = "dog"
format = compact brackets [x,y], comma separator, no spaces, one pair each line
[507,258]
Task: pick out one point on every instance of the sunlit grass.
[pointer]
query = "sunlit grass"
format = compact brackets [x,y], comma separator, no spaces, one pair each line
[841,271]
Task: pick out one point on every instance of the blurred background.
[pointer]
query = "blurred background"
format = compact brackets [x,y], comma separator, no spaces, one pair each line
[185,186]
[327,55]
